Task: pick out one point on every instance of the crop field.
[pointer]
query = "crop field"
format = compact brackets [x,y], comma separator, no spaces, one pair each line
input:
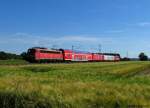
[76,85]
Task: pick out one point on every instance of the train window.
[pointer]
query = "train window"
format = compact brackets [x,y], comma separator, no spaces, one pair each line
[54,52]
[68,55]
[84,57]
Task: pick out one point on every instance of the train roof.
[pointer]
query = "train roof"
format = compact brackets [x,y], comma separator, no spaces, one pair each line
[77,51]
[114,54]
[85,52]
[45,49]
[38,48]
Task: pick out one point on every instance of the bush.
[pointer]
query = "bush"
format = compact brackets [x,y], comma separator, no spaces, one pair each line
[24,56]
[125,59]
[143,57]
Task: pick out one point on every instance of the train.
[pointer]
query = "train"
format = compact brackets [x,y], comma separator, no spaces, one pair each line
[38,54]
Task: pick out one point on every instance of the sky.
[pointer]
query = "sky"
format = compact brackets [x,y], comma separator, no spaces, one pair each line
[119,26]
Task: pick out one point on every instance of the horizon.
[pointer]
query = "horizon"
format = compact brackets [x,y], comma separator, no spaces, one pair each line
[118,26]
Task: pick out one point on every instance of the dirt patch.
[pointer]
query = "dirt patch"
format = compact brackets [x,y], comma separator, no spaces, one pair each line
[139,73]
[145,72]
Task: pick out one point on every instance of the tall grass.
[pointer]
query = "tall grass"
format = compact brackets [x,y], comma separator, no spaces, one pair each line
[79,85]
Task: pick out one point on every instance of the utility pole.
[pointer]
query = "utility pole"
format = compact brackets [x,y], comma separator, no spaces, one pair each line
[72,47]
[127,54]
[72,52]
[100,48]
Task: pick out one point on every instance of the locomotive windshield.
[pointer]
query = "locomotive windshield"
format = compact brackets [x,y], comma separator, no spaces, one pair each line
[31,51]
[31,55]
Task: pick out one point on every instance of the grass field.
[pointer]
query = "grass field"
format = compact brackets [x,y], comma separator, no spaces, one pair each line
[13,62]
[77,85]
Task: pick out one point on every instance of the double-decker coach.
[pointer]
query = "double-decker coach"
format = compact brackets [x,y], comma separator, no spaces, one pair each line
[81,56]
[70,55]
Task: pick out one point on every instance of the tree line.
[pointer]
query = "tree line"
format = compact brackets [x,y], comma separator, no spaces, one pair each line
[142,57]
[7,56]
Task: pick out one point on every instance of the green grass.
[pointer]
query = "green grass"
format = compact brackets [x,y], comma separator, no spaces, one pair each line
[78,85]
[13,62]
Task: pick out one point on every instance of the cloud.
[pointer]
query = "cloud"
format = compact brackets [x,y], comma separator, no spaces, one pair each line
[139,24]
[23,38]
[77,38]
[143,24]
[115,31]
[24,41]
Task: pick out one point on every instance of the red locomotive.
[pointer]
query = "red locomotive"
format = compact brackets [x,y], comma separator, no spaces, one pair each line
[38,54]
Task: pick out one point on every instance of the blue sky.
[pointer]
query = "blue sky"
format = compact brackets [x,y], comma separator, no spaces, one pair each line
[118,25]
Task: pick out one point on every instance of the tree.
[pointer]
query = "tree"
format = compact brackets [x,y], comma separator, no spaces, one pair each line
[24,55]
[143,57]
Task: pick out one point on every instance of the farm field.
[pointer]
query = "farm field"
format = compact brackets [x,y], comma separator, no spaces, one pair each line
[76,85]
